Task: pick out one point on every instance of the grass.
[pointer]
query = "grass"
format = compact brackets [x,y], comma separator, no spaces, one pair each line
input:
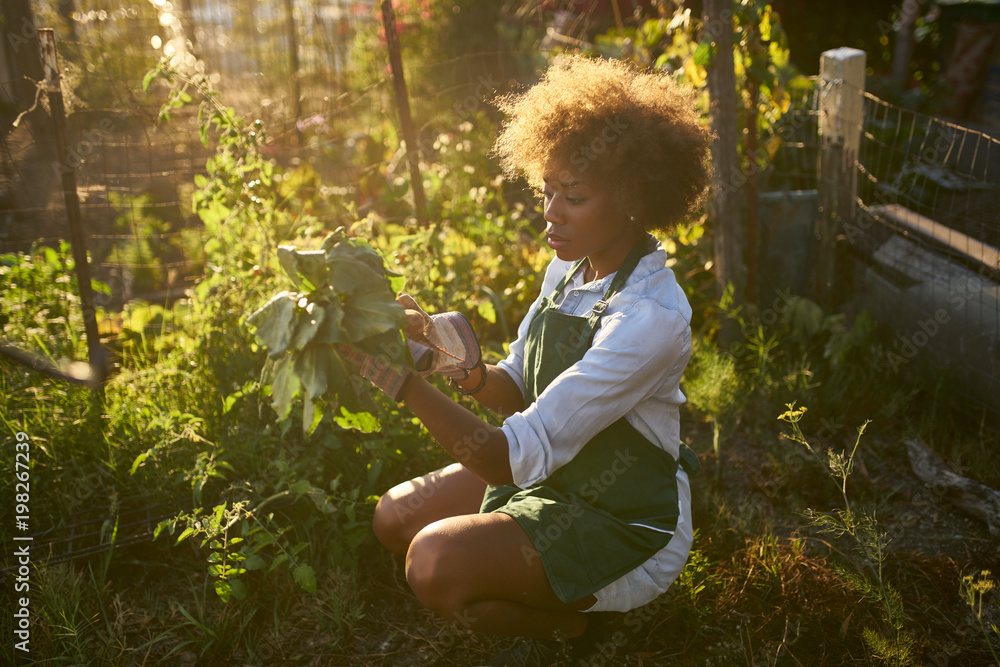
[761,588]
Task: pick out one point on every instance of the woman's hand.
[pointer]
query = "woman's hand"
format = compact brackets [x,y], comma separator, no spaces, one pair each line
[450,336]
[387,378]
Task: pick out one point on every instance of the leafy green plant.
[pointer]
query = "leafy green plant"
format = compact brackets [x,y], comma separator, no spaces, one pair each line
[233,555]
[713,387]
[697,585]
[894,645]
[347,298]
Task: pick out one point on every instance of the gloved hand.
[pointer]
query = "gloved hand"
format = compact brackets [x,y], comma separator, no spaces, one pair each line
[382,375]
[450,337]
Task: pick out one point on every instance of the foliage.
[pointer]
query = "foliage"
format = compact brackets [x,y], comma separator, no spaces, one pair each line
[39,307]
[264,514]
[713,387]
[347,300]
[233,555]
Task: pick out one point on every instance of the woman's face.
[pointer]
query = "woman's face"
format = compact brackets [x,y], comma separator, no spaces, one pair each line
[582,220]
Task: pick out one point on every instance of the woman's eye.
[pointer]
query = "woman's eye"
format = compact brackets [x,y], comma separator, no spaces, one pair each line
[573,200]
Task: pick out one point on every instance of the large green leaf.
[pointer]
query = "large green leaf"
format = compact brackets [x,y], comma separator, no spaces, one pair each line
[358,251]
[274,322]
[308,321]
[371,314]
[311,366]
[310,265]
[351,274]
[353,391]
[330,328]
[284,386]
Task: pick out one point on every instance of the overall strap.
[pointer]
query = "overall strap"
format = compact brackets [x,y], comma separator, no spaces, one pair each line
[638,251]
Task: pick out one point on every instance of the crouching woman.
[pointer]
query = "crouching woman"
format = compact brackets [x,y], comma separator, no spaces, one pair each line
[580,501]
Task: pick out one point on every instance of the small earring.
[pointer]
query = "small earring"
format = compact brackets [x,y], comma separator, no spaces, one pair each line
[631,218]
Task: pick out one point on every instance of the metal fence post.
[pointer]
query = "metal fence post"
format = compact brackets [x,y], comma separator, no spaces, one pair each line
[841,111]
[50,65]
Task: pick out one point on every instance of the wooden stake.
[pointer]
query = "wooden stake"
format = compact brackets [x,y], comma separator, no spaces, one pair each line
[403,103]
[841,111]
[724,206]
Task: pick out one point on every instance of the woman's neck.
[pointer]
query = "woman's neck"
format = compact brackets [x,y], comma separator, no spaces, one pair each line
[608,265]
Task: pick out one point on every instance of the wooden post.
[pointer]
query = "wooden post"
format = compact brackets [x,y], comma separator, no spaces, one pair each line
[50,65]
[292,30]
[724,203]
[403,102]
[841,110]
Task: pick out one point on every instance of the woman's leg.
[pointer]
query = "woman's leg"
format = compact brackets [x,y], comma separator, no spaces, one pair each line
[482,571]
[406,508]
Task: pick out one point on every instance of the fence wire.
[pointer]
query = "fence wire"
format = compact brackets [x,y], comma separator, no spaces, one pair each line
[928,231]
[284,62]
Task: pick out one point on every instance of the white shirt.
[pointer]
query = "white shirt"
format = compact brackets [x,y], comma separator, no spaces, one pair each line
[633,368]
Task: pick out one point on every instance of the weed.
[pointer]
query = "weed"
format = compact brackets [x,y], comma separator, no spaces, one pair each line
[893,646]
[972,589]
[713,388]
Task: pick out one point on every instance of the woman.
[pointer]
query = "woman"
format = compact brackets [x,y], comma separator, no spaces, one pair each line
[580,501]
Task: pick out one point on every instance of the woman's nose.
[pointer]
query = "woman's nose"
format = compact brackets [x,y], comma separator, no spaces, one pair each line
[553,212]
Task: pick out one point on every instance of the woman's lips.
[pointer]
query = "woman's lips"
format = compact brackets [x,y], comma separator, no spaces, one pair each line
[557,242]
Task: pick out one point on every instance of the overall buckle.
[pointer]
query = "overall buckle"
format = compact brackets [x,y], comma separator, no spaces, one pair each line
[600,307]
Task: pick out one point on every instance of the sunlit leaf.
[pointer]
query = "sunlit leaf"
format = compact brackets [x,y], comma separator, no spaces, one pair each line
[274,322]
[310,265]
[223,589]
[356,421]
[284,386]
[487,311]
[307,323]
[705,51]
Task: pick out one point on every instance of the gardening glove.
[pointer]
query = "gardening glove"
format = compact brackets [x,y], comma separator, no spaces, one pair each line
[390,380]
[450,337]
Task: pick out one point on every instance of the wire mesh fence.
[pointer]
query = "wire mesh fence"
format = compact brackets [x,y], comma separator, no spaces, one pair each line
[928,230]
[283,62]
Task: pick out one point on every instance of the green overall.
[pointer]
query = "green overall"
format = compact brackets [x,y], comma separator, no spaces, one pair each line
[614,504]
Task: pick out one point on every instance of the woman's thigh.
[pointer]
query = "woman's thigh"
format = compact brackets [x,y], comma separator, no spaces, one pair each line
[406,508]
[465,559]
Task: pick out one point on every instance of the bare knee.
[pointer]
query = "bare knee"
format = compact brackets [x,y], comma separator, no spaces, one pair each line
[389,524]
[432,572]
